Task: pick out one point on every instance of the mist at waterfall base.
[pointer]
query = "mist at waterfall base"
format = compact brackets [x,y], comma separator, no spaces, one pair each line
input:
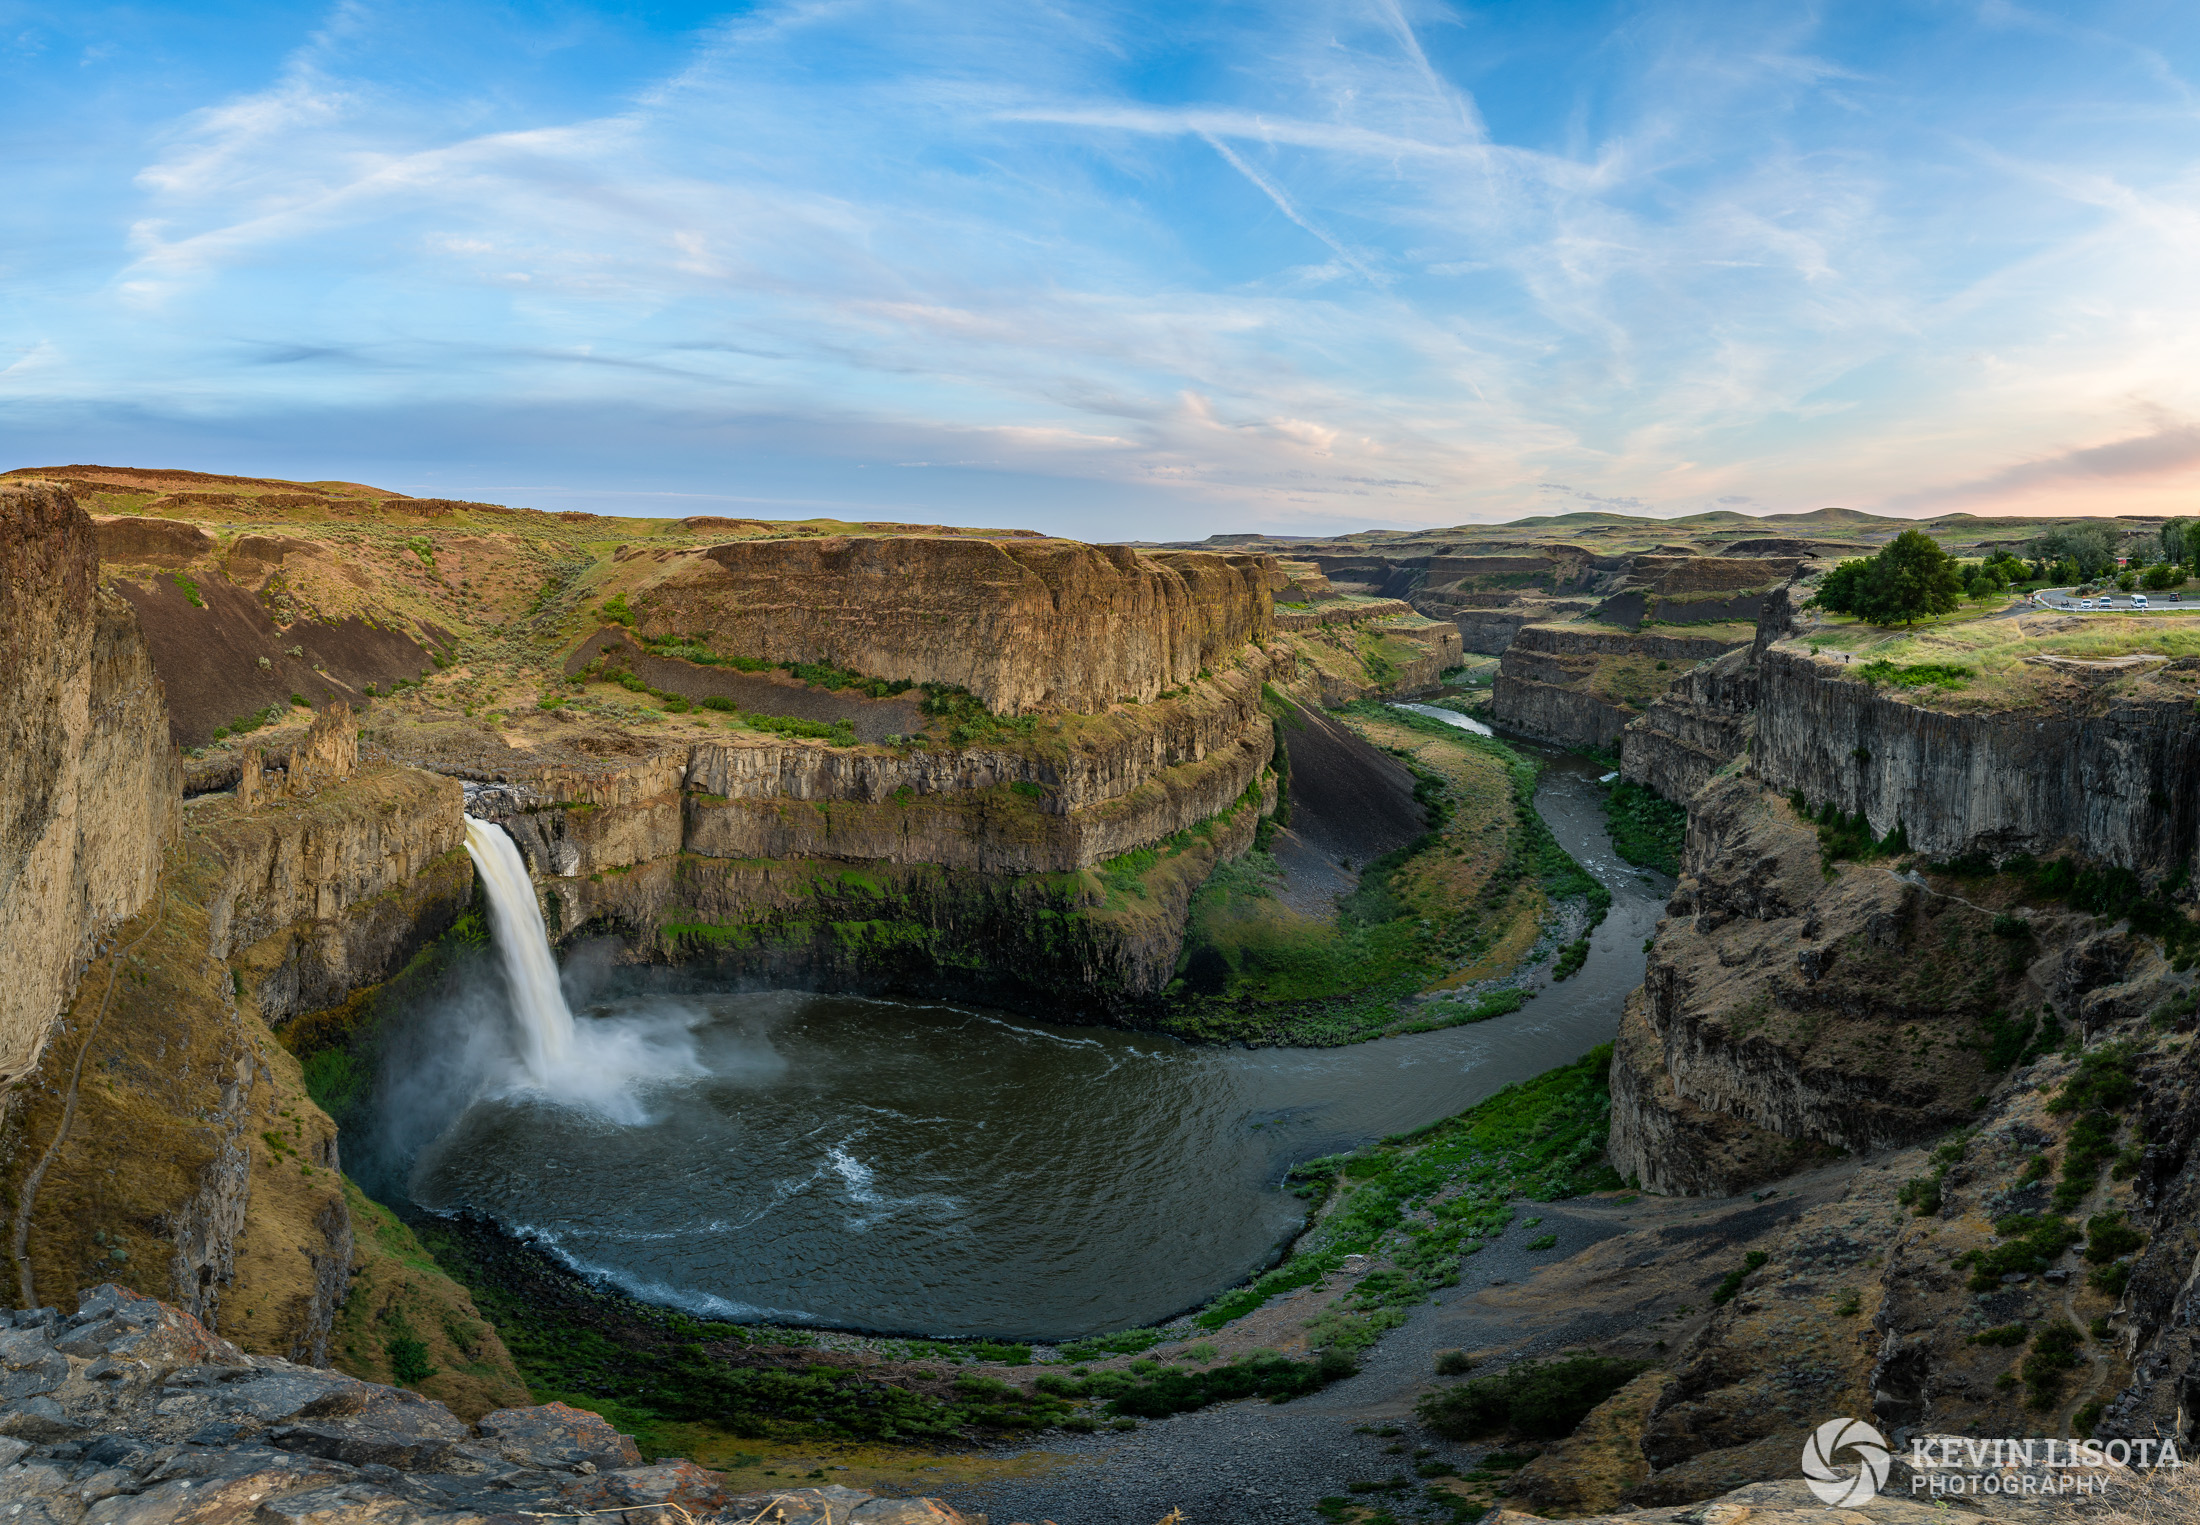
[920,1167]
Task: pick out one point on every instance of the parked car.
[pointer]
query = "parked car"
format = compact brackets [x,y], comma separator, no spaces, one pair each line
[2085,603]
[2138,600]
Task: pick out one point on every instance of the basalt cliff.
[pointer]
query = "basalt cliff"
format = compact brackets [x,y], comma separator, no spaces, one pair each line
[1932,941]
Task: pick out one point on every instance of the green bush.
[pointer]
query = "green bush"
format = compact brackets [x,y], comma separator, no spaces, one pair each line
[1646,830]
[1731,1283]
[2054,1352]
[1918,675]
[2030,1243]
[1570,959]
[409,1361]
[189,589]
[615,610]
[1537,1400]
[2108,1237]
[1159,1391]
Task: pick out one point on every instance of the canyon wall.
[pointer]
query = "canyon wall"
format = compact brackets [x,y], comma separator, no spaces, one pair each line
[1580,685]
[2097,762]
[971,869]
[1699,725]
[89,783]
[1024,625]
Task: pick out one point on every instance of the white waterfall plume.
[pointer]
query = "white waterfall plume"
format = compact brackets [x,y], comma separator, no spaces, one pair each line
[523,944]
[595,1064]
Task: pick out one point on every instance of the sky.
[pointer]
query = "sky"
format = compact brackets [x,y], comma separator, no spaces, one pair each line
[1115,270]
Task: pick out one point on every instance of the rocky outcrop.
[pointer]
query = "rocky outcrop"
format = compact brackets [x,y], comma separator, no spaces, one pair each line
[89,783]
[1002,830]
[1661,1142]
[325,755]
[1786,1011]
[1024,625]
[2095,762]
[131,1411]
[1580,684]
[1699,725]
[321,894]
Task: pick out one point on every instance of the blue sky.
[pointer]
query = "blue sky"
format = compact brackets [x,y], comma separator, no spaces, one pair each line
[1115,270]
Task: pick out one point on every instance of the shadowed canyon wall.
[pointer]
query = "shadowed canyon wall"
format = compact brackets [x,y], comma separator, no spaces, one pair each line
[89,783]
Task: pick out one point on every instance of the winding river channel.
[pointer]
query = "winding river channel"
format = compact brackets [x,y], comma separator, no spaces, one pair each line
[945,1170]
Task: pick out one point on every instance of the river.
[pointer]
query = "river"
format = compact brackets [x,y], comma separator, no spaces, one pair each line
[945,1170]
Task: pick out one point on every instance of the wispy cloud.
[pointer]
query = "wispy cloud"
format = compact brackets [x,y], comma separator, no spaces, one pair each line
[1675,258]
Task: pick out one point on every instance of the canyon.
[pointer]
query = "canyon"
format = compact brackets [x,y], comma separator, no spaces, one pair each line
[1929,951]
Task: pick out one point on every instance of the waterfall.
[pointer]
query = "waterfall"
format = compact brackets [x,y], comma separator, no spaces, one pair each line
[523,945]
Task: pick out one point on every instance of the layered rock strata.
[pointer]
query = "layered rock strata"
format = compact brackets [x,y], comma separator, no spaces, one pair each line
[1023,625]
[129,1410]
[1580,685]
[2096,765]
[89,784]
[1698,726]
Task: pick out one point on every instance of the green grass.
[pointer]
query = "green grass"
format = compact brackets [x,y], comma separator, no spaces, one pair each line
[1945,675]
[1427,1199]
[1253,969]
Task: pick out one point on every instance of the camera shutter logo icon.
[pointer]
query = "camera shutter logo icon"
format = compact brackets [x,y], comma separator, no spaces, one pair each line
[1825,1468]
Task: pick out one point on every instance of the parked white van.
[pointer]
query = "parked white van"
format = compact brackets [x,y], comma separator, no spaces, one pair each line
[2138,600]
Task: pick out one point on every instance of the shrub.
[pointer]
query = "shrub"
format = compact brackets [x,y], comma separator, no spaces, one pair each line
[1453,1363]
[1174,1390]
[1646,830]
[1731,1283]
[1917,675]
[2108,1237]
[2054,1351]
[189,589]
[2030,1244]
[615,610]
[1538,1400]
[409,1361]
[1570,959]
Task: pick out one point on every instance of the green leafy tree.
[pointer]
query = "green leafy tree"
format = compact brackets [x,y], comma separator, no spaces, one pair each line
[1911,578]
[2180,540]
[2091,546]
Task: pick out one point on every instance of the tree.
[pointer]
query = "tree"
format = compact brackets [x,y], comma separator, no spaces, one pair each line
[2180,540]
[2091,546]
[1909,578]
[2164,574]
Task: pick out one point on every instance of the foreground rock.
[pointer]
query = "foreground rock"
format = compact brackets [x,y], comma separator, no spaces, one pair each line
[130,1411]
